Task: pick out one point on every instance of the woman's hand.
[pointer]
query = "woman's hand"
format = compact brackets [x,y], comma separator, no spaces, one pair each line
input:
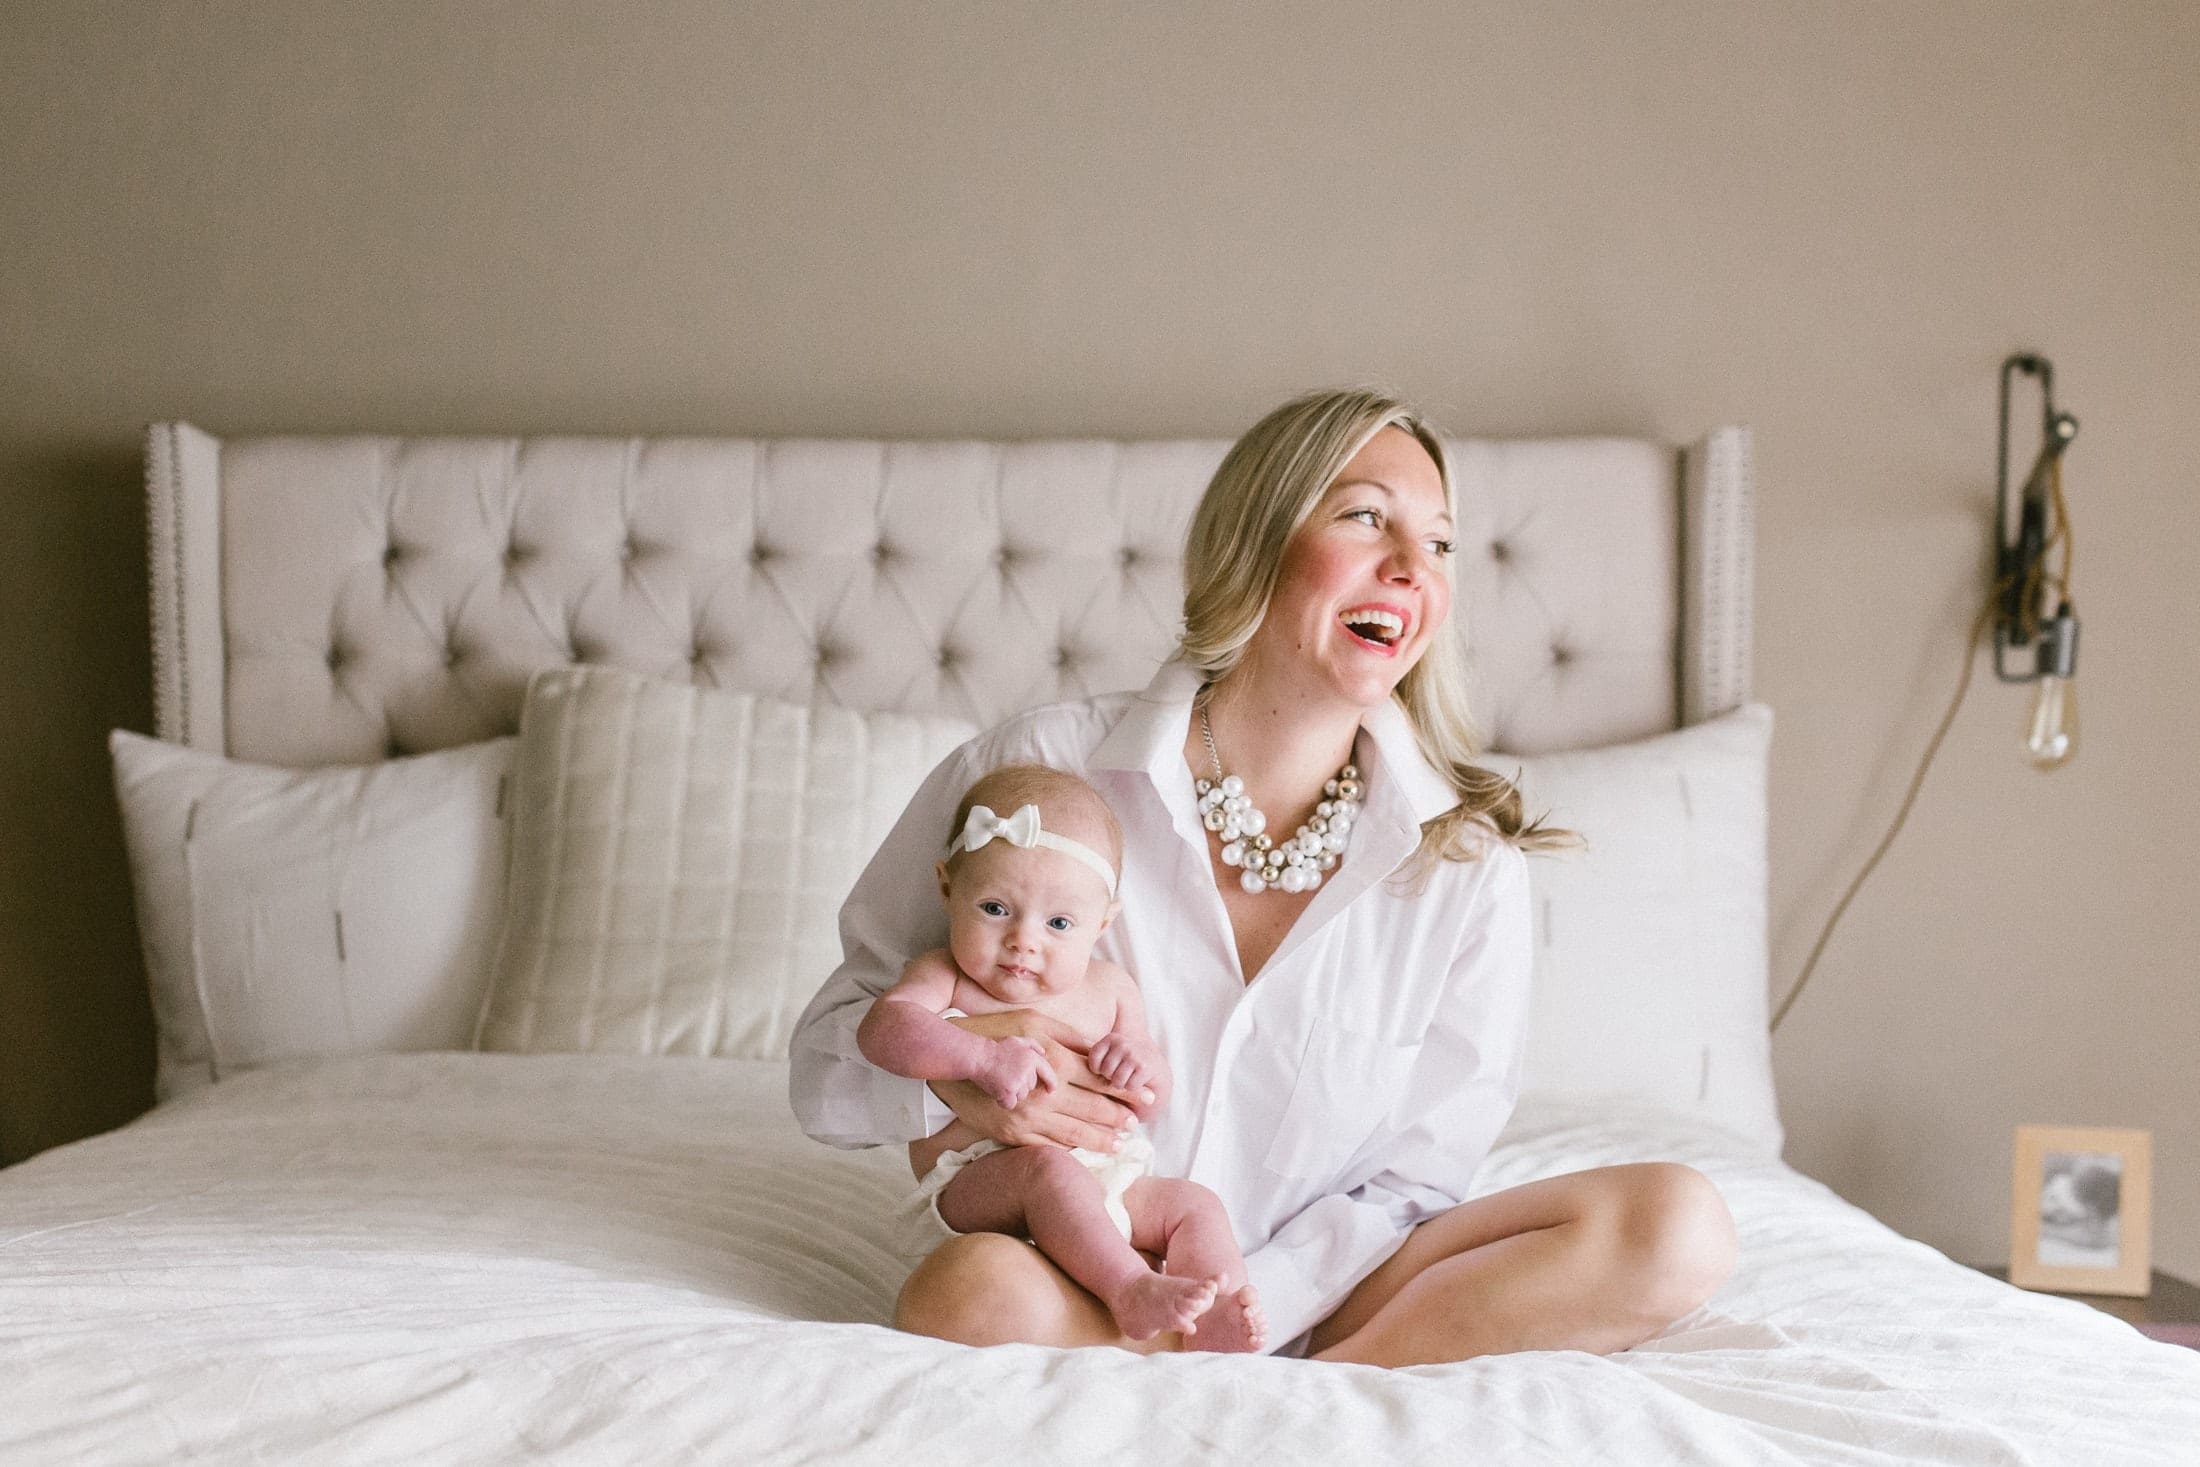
[1084,1110]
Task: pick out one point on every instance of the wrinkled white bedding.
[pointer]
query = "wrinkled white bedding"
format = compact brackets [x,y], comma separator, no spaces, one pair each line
[489,1258]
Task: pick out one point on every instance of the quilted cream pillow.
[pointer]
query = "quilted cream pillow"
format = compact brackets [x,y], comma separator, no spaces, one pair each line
[678,860]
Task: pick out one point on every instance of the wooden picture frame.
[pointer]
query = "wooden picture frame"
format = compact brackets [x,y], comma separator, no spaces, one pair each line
[2081,1209]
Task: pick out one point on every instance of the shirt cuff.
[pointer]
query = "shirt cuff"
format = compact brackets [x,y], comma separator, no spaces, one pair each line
[934,1112]
[844,1100]
[914,1111]
[1287,1297]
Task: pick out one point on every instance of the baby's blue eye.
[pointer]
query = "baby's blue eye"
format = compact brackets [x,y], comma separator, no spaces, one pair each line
[993,908]
[1060,924]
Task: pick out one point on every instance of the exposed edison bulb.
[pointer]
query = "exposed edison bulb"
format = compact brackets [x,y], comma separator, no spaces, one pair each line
[2051,734]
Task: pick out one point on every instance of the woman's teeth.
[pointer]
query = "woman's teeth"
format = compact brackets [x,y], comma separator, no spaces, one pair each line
[1374,626]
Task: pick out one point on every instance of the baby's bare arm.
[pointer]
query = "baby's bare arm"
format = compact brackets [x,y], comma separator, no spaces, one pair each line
[904,1033]
[893,1035]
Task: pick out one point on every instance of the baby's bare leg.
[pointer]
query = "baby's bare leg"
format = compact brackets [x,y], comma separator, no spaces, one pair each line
[1046,1194]
[1188,1225]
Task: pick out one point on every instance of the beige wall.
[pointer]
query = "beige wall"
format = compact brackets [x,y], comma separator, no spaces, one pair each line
[1830,221]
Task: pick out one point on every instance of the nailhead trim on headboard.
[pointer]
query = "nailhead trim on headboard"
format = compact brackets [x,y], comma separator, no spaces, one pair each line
[164,559]
[1718,555]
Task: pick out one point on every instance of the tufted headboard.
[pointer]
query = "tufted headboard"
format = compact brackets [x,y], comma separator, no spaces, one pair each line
[321,600]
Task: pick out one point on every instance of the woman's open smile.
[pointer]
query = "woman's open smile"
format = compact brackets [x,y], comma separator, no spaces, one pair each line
[1380,628]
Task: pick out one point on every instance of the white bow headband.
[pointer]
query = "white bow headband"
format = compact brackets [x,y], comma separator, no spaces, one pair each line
[1022,829]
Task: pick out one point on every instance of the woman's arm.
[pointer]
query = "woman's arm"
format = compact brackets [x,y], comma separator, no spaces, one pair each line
[892,914]
[1076,1114]
[1085,1110]
[1457,1097]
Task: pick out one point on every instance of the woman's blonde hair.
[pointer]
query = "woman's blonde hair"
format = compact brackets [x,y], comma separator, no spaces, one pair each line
[1266,488]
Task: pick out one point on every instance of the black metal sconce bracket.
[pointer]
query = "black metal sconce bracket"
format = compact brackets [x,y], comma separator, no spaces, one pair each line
[2021,620]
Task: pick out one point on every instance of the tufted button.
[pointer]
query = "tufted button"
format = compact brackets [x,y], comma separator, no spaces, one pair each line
[1004,557]
[882,552]
[1064,656]
[1128,555]
[830,654]
[628,549]
[515,553]
[1500,551]
[1561,654]
[760,553]
[699,654]
[394,749]
[949,656]
[451,654]
[338,655]
[391,554]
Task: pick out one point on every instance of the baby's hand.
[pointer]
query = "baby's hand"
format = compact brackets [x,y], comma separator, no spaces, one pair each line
[1128,1063]
[1013,1068]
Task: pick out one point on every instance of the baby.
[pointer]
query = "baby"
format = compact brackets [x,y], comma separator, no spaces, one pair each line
[1027,896]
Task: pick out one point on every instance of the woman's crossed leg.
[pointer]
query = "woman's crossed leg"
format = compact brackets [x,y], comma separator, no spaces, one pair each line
[1597,1260]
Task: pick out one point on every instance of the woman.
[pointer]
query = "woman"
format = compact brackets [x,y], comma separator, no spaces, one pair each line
[1346,1039]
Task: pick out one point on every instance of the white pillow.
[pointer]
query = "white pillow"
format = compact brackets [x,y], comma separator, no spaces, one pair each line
[679,858]
[1650,946]
[292,912]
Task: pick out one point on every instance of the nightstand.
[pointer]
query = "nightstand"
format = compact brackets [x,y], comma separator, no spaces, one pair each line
[2170,1312]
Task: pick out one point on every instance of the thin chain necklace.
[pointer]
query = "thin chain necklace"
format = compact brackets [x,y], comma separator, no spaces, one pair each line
[1299,863]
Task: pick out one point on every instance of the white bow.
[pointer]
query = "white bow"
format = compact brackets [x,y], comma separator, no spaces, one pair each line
[983,826]
[1022,829]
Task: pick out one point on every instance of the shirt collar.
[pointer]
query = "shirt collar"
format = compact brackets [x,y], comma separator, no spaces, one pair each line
[1150,736]
[1152,728]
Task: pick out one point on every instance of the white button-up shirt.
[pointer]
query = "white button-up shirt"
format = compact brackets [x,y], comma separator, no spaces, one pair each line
[1342,1097]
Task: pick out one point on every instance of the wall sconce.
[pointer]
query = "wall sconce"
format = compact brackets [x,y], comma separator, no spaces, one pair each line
[2033,610]
[2030,610]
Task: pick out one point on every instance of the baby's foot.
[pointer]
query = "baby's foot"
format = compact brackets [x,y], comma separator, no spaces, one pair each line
[1152,1302]
[1235,1325]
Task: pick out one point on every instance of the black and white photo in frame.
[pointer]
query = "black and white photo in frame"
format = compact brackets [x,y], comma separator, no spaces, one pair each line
[2081,1210]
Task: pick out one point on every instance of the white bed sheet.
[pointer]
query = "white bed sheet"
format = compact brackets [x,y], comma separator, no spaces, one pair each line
[591,1258]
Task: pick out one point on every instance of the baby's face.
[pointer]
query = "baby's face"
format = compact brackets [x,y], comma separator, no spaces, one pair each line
[1021,923]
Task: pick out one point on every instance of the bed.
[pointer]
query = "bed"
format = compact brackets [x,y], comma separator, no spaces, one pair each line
[346,1235]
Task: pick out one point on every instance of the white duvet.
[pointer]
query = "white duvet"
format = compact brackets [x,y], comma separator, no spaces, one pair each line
[435,1258]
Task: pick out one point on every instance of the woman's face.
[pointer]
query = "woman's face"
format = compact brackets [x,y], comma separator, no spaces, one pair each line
[1363,586]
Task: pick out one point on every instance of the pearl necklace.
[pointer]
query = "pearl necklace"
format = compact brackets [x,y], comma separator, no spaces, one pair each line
[1300,862]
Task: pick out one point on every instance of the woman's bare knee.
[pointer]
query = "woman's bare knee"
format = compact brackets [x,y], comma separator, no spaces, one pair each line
[981,1289]
[1674,1239]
